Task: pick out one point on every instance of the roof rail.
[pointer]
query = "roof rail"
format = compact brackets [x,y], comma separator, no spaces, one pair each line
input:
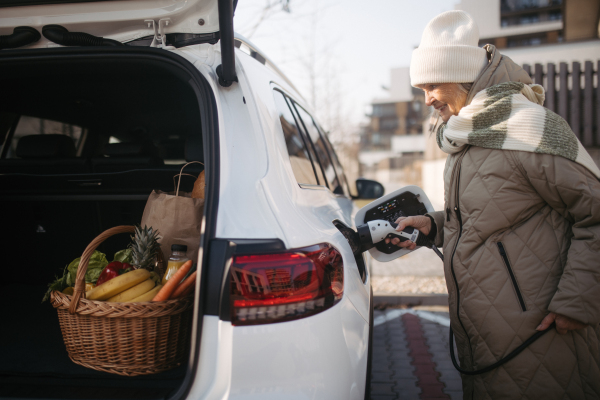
[259,56]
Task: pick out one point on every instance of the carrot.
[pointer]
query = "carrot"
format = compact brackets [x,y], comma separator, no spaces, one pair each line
[187,290]
[190,281]
[165,293]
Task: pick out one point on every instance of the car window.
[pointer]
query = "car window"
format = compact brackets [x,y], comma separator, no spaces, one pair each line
[336,164]
[321,150]
[315,157]
[296,146]
[28,126]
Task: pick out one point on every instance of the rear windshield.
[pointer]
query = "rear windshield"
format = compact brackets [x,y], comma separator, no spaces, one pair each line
[29,126]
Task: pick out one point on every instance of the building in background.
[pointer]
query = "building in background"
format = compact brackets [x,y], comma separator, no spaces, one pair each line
[392,143]
[539,31]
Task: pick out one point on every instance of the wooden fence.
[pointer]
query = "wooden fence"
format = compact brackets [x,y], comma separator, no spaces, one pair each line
[574,95]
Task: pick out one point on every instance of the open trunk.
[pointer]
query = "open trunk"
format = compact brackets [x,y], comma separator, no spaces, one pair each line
[128,119]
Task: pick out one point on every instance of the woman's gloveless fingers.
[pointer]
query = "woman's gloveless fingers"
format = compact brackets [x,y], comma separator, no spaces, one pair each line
[420,222]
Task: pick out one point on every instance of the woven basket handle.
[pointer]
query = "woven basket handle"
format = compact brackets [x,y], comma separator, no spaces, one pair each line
[85,259]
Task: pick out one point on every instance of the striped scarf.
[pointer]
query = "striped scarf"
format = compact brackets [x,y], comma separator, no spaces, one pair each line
[510,116]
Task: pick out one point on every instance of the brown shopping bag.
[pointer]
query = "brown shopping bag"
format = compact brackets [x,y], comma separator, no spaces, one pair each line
[177,216]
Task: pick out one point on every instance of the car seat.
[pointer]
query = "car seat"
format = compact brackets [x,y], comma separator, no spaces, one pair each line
[45,154]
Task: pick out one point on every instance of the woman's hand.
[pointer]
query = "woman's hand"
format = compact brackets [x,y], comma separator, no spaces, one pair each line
[563,324]
[420,222]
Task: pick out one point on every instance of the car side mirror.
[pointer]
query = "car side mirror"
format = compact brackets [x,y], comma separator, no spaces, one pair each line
[369,189]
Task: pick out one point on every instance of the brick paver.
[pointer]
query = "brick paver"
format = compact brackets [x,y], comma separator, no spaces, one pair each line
[411,361]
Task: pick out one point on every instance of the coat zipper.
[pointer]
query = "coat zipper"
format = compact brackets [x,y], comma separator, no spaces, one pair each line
[512,275]
[456,185]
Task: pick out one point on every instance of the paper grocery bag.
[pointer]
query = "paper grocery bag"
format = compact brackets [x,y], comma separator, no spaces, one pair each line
[177,219]
[177,216]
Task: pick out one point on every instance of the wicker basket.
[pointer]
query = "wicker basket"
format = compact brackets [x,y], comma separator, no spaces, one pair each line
[122,338]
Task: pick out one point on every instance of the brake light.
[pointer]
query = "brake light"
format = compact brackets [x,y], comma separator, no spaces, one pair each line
[278,287]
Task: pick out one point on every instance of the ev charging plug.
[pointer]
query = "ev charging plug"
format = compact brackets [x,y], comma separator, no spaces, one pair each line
[368,235]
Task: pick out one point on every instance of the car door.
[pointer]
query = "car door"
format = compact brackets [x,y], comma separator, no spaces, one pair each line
[325,164]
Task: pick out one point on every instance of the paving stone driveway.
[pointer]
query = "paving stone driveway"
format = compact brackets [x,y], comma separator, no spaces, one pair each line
[411,357]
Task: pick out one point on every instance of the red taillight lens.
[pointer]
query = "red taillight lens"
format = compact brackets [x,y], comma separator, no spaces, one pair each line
[269,288]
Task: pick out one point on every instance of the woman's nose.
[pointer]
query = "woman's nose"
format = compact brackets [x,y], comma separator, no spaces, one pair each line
[429,99]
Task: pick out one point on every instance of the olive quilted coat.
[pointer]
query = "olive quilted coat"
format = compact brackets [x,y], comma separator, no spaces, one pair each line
[521,238]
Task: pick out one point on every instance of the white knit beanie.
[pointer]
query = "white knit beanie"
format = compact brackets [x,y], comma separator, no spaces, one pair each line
[448,51]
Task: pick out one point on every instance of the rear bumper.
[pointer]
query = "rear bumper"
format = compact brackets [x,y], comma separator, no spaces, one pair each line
[320,357]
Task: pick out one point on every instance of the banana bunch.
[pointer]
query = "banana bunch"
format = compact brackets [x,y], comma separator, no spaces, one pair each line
[134,286]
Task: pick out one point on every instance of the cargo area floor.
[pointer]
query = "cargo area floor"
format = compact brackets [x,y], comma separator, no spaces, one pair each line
[34,362]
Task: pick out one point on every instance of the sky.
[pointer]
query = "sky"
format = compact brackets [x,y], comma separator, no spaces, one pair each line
[339,53]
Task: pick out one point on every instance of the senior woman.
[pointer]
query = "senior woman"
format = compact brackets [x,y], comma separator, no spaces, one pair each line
[521,225]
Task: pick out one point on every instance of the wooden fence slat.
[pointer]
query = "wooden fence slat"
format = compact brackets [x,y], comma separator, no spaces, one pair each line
[563,94]
[539,74]
[527,69]
[588,103]
[551,87]
[575,119]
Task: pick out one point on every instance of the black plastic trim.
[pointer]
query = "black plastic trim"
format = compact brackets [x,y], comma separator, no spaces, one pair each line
[512,275]
[258,246]
[210,130]
[226,71]
[21,36]
[217,271]
[178,39]
[60,35]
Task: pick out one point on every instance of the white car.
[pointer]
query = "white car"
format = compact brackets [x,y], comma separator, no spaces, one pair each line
[103,101]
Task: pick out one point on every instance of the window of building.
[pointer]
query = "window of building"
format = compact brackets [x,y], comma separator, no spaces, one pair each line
[525,12]
[300,158]
[517,5]
[388,124]
[527,40]
[384,110]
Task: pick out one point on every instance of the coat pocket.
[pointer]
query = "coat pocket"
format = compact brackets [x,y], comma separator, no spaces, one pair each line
[512,275]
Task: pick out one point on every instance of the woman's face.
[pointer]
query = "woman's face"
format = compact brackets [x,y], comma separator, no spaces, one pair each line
[446,98]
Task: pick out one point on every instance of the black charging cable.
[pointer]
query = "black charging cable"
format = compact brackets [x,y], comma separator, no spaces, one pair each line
[498,363]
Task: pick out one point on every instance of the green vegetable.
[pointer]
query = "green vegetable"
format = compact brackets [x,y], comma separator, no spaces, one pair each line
[59,284]
[123,256]
[97,263]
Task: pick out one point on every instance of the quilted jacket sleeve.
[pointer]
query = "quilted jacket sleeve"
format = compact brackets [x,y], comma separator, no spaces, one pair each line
[574,192]
[438,218]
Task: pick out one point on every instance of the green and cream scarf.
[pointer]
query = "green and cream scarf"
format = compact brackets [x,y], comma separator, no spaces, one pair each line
[510,116]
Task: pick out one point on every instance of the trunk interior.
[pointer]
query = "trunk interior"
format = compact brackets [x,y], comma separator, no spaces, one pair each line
[87,137]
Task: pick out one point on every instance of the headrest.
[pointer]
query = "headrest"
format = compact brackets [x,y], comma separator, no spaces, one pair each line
[194,150]
[131,149]
[45,146]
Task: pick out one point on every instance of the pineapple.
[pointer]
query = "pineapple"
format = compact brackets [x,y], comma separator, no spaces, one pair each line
[144,247]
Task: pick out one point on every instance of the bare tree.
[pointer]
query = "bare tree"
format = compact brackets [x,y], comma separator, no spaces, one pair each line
[271,8]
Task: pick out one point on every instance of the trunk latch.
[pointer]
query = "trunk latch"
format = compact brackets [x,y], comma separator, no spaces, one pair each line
[160,38]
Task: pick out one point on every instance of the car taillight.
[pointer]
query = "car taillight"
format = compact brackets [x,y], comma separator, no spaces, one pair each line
[277,287]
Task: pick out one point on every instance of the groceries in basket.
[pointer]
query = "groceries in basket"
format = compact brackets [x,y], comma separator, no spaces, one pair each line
[138,324]
[132,276]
